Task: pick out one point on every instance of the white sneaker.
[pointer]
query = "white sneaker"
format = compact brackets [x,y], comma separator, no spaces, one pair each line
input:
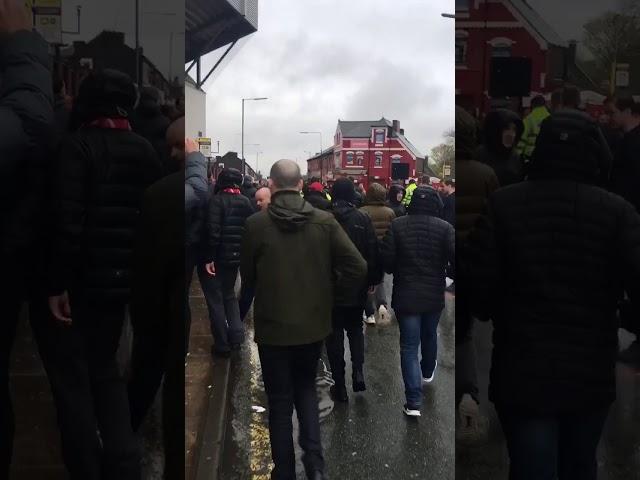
[370,320]
[384,314]
[409,412]
[433,374]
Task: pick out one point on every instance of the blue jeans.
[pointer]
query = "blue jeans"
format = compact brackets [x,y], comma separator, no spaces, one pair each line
[417,331]
[556,447]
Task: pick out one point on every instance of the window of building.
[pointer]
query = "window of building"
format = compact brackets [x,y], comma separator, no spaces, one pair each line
[360,158]
[462,5]
[461,47]
[461,51]
[379,136]
[501,47]
[349,158]
[501,51]
[378,163]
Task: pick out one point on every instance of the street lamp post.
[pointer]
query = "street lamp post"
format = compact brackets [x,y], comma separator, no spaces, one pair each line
[251,145]
[315,133]
[258,163]
[244,100]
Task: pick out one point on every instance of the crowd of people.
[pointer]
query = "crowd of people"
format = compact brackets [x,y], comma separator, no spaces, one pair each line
[548,240]
[312,258]
[91,226]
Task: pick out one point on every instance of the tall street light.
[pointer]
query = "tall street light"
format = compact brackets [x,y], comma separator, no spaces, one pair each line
[315,133]
[448,15]
[246,100]
[258,163]
[251,145]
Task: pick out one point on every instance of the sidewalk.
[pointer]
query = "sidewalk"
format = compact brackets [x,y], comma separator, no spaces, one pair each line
[205,395]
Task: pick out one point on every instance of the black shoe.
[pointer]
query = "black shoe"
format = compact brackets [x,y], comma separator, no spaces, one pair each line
[358,382]
[220,353]
[339,393]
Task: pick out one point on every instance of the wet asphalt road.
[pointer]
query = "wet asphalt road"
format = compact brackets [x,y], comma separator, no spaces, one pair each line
[619,449]
[368,438]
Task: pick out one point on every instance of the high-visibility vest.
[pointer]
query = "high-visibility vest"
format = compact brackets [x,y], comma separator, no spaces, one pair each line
[532,124]
[408,194]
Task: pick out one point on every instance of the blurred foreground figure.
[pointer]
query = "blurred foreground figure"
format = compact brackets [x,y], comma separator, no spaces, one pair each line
[98,182]
[549,265]
[26,113]
[157,305]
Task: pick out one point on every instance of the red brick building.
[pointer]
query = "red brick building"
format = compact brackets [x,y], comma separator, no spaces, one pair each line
[487,29]
[369,151]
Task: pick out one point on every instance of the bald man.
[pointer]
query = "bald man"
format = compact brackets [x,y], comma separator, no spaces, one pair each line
[292,313]
[263,198]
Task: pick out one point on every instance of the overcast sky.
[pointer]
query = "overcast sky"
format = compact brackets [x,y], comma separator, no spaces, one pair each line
[567,17]
[321,60]
[158,18]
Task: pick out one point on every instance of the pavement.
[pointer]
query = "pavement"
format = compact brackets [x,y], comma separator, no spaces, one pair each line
[368,438]
[619,449]
[37,453]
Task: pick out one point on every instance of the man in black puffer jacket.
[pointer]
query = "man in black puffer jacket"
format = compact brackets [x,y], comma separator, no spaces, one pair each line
[416,250]
[549,265]
[26,112]
[228,212]
[99,180]
[347,308]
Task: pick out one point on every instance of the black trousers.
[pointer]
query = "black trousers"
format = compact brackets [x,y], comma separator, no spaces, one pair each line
[90,392]
[349,319]
[158,352]
[289,375]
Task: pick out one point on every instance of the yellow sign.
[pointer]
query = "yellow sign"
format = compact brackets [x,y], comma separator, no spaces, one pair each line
[205,146]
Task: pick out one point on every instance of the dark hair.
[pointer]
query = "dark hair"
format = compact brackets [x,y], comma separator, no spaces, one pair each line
[413,180]
[571,96]
[426,180]
[450,182]
[556,97]
[538,101]
[628,103]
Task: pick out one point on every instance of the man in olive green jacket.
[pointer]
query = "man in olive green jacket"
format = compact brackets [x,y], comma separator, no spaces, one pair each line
[293,256]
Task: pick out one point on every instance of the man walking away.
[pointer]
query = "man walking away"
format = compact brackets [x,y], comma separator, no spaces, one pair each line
[381,216]
[477,181]
[99,180]
[532,124]
[409,192]
[347,306]
[625,181]
[228,212]
[417,249]
[396,196]
[26,113]
[249,190]
[293,308]
[316,197]
[550,264]
[263,200]
[157,306]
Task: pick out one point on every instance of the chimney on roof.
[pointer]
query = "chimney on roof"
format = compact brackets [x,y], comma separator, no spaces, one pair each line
[396,126]
[402,131]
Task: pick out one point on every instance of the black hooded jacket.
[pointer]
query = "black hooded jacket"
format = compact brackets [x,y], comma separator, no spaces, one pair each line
[549,265]
[226,217]
[505,161]
[98,182]
[361,232]
[394,204]
[416,250]
[318,200]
